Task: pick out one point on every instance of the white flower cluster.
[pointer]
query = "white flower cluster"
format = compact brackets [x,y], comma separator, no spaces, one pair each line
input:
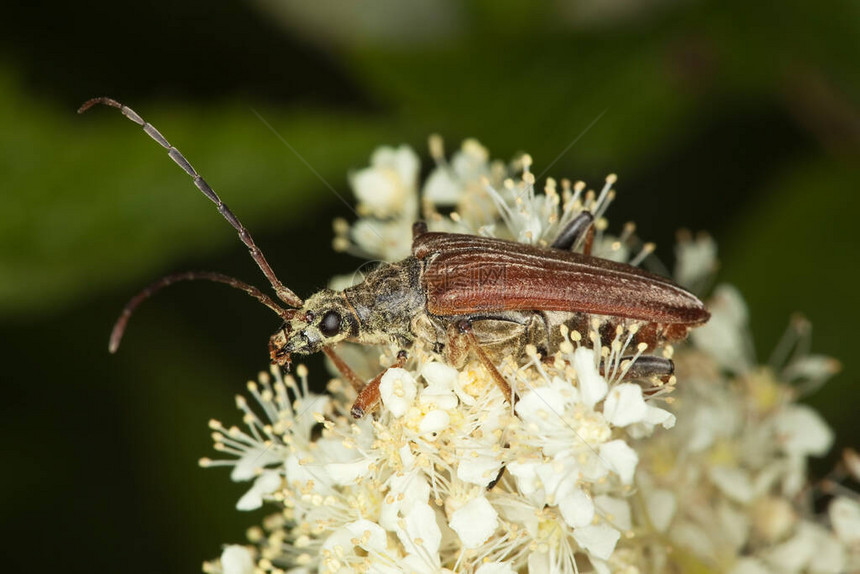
[586,473]
[728,489]
[408,491]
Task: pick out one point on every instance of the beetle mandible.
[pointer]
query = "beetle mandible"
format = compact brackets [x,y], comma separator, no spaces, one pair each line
[463,294]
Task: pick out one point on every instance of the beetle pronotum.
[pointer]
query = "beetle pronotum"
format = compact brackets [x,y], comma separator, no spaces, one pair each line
[462,294]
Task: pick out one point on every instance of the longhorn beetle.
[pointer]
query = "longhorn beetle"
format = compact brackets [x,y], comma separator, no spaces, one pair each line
[463,294]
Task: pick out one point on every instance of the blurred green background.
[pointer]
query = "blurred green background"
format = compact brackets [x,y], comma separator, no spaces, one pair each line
[738,118]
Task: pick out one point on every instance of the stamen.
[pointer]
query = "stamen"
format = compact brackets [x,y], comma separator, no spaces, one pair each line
[647,250]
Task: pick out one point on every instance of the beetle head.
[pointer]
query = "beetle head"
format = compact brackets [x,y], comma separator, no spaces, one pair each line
[325,319]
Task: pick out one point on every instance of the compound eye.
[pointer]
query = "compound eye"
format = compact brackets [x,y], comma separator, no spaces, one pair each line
[330,324]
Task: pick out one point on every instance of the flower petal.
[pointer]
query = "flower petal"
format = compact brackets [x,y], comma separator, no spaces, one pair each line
[495,568]
[592,387]
[658,416]
[434,422]
[620,458]
[734,482]
[421,530]
[370,535]
[267,483]
[575,505]
[475,522]
[599,539]
[661,505]
[624,405]
[480,470]
[441,188]
[252,460]
[616,511]
[802,431]
[346,473]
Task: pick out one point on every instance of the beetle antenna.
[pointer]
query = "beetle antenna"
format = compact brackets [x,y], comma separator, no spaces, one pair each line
[284,294]
[122,322]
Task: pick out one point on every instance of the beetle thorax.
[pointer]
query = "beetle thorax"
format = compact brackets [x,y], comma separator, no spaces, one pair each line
[386,302]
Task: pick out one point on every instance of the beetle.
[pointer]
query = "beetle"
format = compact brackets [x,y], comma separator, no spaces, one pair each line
[462,294]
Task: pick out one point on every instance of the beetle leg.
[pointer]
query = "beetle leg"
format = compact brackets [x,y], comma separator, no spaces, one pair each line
[419,228]
[573,232]
[589,240]
[498,478]
[641,367]
[464,328]
[368,397]
[645,366]
[344,369]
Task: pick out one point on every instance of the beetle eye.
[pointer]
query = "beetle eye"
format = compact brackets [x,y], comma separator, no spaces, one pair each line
[330,324]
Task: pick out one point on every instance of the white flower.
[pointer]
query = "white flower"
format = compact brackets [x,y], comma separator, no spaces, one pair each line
[389,184]
[448,183]
[729,487]
[382,239]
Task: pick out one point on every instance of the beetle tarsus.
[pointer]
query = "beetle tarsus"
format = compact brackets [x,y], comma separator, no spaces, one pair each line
[580,226]
[368,398]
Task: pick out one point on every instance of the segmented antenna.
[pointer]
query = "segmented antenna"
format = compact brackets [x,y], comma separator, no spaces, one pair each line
[284,294]
[121,323]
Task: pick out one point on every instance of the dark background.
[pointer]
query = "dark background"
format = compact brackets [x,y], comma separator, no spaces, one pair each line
[733,117]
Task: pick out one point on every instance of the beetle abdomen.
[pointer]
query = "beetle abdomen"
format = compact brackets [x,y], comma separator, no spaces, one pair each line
[467,274]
